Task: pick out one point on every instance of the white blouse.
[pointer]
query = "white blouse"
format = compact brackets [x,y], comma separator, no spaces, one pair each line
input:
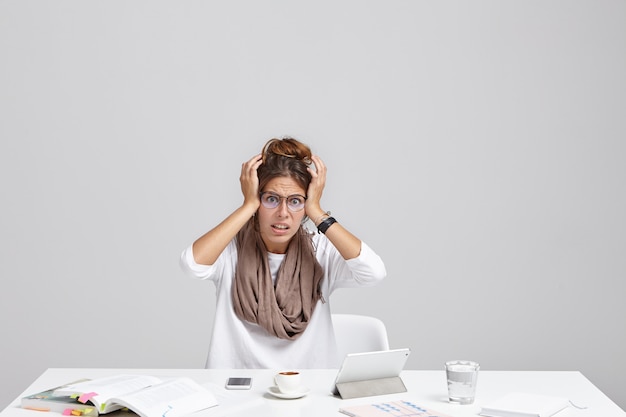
[239,344]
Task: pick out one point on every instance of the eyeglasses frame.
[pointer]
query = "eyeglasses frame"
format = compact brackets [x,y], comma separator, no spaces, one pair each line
[281,198]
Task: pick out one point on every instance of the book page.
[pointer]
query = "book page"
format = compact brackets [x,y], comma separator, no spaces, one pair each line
[173,398]
[100,390]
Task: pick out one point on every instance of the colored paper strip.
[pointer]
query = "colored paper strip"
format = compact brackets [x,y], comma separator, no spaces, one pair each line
[86,397]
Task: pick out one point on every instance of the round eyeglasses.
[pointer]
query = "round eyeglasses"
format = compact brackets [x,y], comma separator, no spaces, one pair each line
[270,200]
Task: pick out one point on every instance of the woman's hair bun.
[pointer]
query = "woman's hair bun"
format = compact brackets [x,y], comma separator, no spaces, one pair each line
[287,147]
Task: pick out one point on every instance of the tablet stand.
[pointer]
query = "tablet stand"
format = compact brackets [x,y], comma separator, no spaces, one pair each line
[370,387]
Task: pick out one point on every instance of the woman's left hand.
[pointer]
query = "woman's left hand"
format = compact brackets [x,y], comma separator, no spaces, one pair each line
[316,188]
[348,245]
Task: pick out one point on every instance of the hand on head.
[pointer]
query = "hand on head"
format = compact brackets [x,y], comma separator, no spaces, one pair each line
[316,187]
[250,181]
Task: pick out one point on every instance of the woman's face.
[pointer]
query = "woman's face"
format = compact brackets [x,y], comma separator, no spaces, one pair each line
[278,225]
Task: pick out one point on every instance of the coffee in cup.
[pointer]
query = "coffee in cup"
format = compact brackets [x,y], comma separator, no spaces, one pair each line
[288,382]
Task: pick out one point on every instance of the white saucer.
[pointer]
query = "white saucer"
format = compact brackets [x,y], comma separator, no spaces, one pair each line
[291,396]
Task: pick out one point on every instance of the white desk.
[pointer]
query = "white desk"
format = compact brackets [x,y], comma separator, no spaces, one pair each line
[425,388]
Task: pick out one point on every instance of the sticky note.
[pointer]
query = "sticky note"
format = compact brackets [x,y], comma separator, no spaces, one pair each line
[86,397]
[77,413]
[67,412]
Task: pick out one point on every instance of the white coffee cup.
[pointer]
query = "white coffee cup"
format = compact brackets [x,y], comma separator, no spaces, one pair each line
[288,382]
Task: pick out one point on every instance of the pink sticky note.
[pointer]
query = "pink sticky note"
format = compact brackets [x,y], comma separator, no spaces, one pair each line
[67,412]
[86,397]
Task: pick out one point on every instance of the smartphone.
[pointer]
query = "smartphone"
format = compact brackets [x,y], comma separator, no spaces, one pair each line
[239,383]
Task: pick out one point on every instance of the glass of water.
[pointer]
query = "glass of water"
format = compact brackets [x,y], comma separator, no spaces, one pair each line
[462,377]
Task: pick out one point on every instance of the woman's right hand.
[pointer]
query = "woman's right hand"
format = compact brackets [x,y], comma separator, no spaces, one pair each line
[208,247]
[250,181]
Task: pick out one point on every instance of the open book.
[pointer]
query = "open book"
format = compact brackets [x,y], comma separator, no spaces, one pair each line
[146,395]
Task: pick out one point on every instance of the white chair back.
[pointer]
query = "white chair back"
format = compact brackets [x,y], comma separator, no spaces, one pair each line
[356,333]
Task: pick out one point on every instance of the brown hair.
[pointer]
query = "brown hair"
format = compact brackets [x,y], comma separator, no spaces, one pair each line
[285,157]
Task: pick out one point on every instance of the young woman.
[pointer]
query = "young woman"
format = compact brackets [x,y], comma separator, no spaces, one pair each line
[274,276]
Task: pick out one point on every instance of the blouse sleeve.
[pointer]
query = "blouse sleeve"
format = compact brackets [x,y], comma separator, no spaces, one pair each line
[365,270]
[199,271]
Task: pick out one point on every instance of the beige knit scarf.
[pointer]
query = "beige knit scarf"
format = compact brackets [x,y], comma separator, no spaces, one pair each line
[283,309]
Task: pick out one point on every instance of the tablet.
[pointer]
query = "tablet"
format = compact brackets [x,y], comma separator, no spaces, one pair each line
[371,365]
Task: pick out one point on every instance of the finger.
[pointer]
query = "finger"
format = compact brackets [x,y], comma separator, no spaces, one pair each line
[249,167]
[312,171]
[318,161]
[254,161]
[320,167]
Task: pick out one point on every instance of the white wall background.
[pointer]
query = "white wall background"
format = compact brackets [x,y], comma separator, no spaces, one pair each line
[478,146]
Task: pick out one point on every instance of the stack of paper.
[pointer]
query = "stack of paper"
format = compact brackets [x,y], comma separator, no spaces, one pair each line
[518,404]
